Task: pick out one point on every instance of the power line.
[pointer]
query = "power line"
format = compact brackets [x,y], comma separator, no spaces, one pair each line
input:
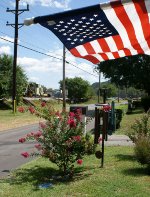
[47,55]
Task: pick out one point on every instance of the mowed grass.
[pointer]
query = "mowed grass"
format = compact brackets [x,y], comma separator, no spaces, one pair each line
[121,176]
[10,120]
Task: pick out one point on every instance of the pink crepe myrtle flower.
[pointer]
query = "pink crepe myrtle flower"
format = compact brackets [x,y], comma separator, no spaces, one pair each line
[37,134]
[72,123]
[43,104]
[79,161]
[31,109]
[42,125]
[25,154]
[77,138]
[22,140]
[21,109]
[38,146]
[72,114]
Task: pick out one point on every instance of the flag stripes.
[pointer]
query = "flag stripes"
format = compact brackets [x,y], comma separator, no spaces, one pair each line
[132,22]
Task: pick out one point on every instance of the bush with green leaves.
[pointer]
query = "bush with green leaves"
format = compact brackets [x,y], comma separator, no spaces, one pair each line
[140,135]
[60,138]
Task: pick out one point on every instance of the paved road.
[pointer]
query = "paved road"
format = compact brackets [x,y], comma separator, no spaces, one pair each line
[10,148]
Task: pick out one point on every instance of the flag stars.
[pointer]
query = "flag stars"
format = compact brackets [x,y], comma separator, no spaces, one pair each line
[79,30]
[91,19]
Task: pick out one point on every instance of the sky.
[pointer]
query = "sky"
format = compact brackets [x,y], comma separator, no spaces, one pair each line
[40,68]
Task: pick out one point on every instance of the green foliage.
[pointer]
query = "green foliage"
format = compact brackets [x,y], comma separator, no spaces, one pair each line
[128,71]
[140,135]
[145,101]
[78,88]
[142,150]
[90,147]
[60,138]
[6,76]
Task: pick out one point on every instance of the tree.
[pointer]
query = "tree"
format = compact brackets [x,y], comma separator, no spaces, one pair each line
[78,88]
[128,71]
[110,86]
[6,76]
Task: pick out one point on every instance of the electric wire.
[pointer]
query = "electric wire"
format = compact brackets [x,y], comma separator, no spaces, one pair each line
[47,55]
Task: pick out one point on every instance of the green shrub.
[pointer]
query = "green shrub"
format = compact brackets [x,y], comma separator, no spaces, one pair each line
[141,127]
[145,101]
[142,150]
[60,138]
[90,147]
[140,135]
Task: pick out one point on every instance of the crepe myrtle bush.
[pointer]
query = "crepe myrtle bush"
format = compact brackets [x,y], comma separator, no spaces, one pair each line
[60,137]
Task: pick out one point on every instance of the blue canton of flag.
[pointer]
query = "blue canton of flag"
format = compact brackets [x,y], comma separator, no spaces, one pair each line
[80,29]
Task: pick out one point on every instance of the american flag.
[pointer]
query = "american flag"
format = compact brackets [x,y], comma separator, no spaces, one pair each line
[104,31]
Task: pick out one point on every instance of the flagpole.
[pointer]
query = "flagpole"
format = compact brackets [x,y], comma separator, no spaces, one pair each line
[64,88]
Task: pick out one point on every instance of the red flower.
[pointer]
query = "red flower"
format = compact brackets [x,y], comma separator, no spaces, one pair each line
[79,161]
[42,125]
[71,114]
[43,104]
[106,108]
[31,109]
[77,138]
[25,154]
[38,146]
[38,134]
[21,109]
[72,123]
[22,140]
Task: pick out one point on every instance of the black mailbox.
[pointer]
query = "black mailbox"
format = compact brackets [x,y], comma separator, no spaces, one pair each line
[84,109]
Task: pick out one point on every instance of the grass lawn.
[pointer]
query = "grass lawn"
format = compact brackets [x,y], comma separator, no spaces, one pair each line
[10,120]
[121,176]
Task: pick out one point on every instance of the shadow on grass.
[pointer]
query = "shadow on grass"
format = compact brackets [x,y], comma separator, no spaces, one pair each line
[138,171]
[125,157]
[38,175]
[137,111]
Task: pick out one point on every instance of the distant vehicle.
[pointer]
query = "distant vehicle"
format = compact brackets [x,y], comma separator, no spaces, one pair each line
[34,90]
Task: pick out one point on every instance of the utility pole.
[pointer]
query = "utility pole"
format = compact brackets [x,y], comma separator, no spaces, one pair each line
[64,85]
[16,26]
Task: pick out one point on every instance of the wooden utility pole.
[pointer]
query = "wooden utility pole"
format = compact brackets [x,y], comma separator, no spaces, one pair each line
[16,26]
[64,85]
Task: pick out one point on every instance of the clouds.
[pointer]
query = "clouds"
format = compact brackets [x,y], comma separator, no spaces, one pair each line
[5,49]
[63,4]
[4,46]
[48,71]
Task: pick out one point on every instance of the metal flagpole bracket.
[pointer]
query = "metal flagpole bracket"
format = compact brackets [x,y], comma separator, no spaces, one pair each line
[29,21]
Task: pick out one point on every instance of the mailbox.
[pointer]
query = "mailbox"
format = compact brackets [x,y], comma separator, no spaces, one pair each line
[84,109]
